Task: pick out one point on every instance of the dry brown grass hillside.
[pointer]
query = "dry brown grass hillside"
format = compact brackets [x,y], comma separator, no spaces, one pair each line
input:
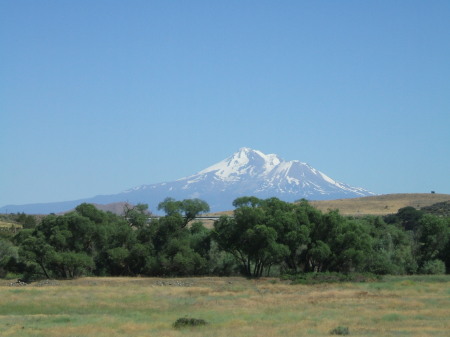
[374,205]
[380,204]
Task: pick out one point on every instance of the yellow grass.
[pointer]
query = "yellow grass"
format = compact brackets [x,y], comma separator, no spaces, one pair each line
[232,306]
[5,224]
[374,205]
[381,204]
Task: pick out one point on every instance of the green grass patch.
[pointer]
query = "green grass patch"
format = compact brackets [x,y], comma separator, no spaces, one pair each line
[330,277]
[392,318]
[418,278]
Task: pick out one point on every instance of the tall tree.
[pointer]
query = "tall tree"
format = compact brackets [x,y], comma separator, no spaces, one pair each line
[248,237]
[137,216]
[189,209]
[432,237]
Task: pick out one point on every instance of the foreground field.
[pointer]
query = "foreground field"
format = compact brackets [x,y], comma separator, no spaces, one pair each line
[418,306]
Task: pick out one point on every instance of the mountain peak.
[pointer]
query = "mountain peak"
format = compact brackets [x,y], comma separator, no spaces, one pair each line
[245,172]
[245,149]
[245,161]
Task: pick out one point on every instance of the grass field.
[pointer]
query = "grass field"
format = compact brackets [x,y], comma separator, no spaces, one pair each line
[397,306]
[8,224]
[380,204]
[4,225]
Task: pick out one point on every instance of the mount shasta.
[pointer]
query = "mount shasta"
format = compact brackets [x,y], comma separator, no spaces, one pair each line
[246,173]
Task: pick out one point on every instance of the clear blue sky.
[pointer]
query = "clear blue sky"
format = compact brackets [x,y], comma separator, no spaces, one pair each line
[100,96]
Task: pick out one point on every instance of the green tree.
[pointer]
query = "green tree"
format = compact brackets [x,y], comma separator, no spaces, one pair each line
[408,217]
[336,244]
[432,238]
[189,209]
[71,264]
[27,221]
[8,255]
[175,249]
[291,223]
[75,243]
[249,238]
[137,216]
[392,248]
[35,251]
[170,206]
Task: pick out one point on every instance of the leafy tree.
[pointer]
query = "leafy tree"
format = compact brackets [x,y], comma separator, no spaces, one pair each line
[200,239]
[114,256]
[170,206]
[221,262]
[352,247]
[189,209]
[408,217]
[91,212]
[71,264]
[117,259]
[292,224]
[392,251]
[174,248]
[8,255]
[36,252]
[247,202]
[27,221]
[336,244]
[137,216]
[73,244]
[318,254]
[248,238]
[432,238]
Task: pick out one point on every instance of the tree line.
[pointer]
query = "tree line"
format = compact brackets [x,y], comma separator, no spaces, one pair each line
[263,237]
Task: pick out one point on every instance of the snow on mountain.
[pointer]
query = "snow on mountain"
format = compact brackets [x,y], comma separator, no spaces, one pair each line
[245,161]
[251,172]
[246,172]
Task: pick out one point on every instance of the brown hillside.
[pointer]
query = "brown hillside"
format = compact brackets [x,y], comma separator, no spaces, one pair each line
[374,205]
[380,204]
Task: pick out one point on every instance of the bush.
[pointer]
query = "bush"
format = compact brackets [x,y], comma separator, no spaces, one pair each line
[433,267]
[340,330]
[188,322]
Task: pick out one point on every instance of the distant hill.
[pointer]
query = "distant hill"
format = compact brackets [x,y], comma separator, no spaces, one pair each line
[381,204]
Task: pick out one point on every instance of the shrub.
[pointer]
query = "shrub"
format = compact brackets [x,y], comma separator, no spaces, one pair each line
[188,322]
[340,330]
[433,267]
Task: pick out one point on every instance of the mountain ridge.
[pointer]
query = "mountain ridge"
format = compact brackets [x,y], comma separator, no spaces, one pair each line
[246,172]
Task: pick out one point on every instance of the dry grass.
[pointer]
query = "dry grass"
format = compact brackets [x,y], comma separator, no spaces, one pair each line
[374,205]
[232,306]
[5,224]
[381,204]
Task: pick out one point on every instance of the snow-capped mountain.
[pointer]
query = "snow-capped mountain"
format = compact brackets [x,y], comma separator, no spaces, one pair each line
[246,173]
[251,172]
